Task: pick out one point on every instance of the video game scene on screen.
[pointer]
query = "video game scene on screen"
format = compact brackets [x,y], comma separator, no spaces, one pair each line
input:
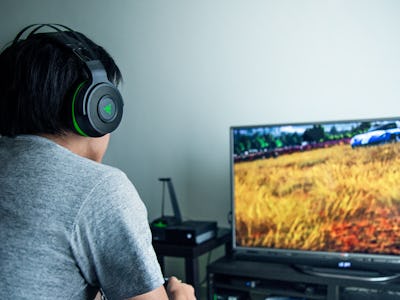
[329,187]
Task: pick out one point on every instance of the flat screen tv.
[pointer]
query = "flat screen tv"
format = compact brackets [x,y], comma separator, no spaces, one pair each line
[318,194]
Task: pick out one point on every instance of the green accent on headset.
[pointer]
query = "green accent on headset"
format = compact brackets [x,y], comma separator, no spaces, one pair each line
[107,108]
[76,126]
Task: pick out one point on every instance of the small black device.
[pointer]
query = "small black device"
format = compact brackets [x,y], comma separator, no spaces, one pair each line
[191,232]
[96,104]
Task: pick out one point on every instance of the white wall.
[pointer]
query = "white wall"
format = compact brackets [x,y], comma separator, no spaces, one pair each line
[194,68]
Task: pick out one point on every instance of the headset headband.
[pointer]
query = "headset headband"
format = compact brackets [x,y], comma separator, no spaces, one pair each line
[97,105]
[67,40]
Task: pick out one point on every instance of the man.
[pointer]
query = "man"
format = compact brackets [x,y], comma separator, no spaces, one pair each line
[70,227]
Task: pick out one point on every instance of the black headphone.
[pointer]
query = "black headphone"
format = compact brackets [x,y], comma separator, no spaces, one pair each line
[96,104]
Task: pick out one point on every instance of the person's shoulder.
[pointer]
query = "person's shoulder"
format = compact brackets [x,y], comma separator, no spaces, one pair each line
[94,169]
[112,196]
[102,167]
[107,178]
[111,173]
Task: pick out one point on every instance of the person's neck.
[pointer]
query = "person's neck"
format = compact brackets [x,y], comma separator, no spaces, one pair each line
[80,145]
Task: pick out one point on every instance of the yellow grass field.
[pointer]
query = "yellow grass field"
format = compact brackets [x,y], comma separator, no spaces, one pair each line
[319,200]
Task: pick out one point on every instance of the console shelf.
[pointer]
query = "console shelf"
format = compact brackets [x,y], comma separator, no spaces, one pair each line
[235,279]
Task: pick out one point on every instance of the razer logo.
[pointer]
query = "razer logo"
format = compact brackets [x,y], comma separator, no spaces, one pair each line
[107,108]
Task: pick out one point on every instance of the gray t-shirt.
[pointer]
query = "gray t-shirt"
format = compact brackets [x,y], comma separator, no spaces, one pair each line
[69,226]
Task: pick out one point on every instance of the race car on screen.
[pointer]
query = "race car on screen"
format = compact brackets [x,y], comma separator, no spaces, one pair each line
[382,134]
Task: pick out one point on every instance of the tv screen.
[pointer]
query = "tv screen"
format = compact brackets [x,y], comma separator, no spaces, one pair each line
[318,193]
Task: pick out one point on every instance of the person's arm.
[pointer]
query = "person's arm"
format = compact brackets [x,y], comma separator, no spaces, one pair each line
[157,294]
[176,290]
[112,243]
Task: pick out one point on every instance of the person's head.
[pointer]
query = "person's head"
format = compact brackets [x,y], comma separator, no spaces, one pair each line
[38,79]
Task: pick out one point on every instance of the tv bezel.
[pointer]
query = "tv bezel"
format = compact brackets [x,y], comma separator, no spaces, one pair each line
[337,262]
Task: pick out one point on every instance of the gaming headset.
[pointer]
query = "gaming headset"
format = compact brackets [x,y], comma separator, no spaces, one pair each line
[96,104]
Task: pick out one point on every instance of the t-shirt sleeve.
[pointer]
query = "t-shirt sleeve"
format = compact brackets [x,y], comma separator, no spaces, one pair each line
[111,240]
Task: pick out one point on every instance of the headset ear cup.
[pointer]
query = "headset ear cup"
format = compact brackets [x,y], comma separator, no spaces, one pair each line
[96,109]
[77,113]
[104,108]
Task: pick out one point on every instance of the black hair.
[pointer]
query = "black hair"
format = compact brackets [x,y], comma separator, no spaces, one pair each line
[37,77]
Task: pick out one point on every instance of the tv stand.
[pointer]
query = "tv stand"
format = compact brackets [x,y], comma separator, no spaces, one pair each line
[254,280]
[362,275]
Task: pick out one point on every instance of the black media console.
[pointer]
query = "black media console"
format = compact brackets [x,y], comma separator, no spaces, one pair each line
[233,279]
